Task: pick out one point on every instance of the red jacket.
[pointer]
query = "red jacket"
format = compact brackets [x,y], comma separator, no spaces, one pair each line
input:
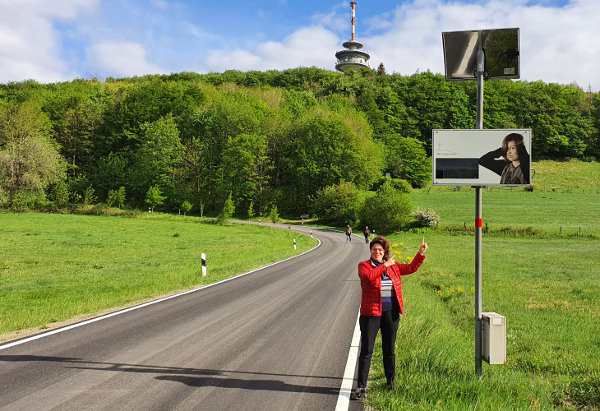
[370,281]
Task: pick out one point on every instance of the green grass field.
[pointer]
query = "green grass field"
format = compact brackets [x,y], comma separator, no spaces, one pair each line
[540,270]
[547,213]
[548,289]
[558,177]
[56,267]
[545,281]
[567,176]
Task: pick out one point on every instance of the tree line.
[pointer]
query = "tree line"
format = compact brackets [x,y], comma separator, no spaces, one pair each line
[259,139]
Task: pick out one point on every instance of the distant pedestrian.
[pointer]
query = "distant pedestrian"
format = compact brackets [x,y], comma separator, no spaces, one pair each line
[348,233]
[381,308]
[367,233]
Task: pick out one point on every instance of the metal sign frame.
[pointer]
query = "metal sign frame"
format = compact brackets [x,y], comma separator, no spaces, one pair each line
[473,157]
[501,54]
[474,55]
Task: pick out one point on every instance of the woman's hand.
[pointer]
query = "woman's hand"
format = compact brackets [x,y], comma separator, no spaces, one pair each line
[424,247]
[391,261]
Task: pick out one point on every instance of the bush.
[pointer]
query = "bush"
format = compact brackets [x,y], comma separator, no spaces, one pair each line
[228,210]
[27,200]
[105,210]
[274,214]
[387,211]
[97,209]
[61,194]
[426,218]
[112,198]
[4,198]
[154,197]
[116,197]
[399,184]
[337,205]
[186,206]
[89,195]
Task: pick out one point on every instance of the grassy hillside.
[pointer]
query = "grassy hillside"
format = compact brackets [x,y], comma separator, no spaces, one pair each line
[563,201]
[544,213]
[567,176]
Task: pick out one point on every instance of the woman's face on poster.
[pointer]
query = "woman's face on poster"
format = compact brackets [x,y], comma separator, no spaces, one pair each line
[511,153]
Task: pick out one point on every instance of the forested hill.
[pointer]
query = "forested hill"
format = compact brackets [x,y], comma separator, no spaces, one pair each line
[268,138]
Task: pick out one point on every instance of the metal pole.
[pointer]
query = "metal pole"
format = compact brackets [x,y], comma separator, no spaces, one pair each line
[478,315]
[478,219]
[480,83]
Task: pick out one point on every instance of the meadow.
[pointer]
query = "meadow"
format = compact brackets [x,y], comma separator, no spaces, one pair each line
[54,268]
[504,210]
[538,270]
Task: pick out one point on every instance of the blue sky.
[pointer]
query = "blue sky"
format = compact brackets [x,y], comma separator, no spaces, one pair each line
[59,40]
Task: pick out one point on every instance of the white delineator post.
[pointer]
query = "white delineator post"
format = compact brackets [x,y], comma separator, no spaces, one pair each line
[294,243]
[203,256]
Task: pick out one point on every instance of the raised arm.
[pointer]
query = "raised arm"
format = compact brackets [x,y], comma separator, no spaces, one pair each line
[489,161]
[525,161]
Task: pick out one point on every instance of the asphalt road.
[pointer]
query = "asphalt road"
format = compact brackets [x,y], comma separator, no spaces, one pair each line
[275,339]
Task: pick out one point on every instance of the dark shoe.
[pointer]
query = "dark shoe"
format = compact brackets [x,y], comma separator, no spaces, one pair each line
[359,394]
[391,386]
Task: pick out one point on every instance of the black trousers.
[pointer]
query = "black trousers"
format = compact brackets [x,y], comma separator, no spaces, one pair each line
[369,327]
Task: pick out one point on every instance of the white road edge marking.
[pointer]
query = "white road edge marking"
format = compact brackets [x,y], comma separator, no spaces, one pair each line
[93,320]
[343,402]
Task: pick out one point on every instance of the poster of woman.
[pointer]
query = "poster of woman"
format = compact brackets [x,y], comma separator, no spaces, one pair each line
[511,161]
[482,157]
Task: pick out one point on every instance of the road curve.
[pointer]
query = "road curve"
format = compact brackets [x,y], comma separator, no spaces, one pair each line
[274,339]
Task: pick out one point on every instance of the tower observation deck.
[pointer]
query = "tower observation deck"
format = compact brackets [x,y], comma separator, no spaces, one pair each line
[353,58]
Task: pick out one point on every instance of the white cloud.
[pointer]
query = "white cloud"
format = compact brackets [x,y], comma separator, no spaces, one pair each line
[61,9]
[204,36]
[306,47]
[159,4]
[121,59]
[380,22]
[558,45]
[29,43]
[338,19]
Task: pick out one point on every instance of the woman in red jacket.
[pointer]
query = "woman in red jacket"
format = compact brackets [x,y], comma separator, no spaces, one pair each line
[381,307]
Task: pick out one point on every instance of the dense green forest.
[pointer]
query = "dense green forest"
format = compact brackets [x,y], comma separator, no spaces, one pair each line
[272,138]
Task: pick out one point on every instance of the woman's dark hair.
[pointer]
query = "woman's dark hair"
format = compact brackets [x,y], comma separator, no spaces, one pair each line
[517,138]
[384,242]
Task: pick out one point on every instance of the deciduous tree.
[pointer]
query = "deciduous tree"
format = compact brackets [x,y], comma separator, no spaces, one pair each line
[29,161]
[387,211]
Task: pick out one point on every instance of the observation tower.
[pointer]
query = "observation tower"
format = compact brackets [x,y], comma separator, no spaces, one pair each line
[353,58]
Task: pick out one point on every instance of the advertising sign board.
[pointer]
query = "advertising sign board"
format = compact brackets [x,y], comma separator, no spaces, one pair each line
[481,157]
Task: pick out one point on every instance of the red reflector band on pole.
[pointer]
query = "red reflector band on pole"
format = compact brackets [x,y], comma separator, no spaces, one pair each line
[478,223]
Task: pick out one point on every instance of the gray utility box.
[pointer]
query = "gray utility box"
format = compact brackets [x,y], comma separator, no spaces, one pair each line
[494,338]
